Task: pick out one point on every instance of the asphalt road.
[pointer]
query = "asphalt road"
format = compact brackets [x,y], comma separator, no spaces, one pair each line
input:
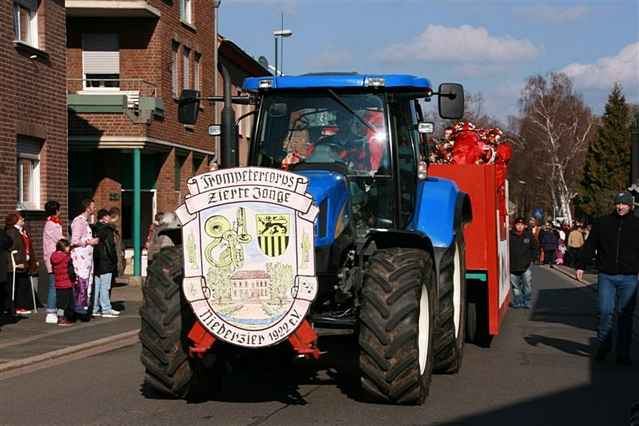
[537,372]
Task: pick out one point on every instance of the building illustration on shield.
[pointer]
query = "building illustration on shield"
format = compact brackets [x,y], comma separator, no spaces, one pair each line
[250,286]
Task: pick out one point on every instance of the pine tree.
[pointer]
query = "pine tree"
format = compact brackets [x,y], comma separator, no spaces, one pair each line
[607,168]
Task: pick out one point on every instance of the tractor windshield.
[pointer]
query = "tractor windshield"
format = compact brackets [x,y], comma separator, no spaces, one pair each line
[324,127]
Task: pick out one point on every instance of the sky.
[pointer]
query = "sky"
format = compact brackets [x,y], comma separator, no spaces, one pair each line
[491,47]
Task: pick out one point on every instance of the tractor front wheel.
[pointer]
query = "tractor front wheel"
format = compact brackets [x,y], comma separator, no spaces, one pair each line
[166,320]
[397,317]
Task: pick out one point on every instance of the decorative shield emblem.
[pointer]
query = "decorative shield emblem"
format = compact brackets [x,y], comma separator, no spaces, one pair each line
[272,233]
[249,269]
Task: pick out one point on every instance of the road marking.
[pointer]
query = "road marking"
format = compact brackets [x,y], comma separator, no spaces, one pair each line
[61,356]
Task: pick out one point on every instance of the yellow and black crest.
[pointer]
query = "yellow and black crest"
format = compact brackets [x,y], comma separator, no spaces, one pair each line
[273,233]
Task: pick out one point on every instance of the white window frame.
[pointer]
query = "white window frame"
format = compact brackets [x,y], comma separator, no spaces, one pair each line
[197,75]
[186,11]
[186,68]
[32,33]
[174,69]
[34,185]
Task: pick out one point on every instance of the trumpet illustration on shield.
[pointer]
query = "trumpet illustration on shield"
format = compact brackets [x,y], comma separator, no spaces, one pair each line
[226,251]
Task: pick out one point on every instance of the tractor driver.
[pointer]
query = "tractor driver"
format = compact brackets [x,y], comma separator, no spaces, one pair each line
[349,144]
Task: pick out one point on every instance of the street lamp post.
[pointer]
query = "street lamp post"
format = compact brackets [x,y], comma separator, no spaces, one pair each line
[281,34]
[634,140]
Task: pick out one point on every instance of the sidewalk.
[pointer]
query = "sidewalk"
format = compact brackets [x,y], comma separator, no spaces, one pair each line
[590,281]
[30,340]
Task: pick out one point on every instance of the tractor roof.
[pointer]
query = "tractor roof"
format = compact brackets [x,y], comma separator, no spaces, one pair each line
[337,81]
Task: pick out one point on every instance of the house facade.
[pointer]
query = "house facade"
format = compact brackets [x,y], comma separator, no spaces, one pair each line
[33,129]
[250,286]
[127,63]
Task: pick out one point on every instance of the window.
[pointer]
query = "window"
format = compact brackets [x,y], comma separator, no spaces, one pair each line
[186,11]
[197,84]
[101,60]
[407,158]
[28,168]
[186,66]
[25,21]
[174,70]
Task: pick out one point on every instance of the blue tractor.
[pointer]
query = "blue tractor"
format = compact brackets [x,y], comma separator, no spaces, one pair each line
[389,246]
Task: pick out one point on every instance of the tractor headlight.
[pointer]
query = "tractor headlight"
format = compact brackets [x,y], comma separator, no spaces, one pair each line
[374,82]
[422,170]
[266,84]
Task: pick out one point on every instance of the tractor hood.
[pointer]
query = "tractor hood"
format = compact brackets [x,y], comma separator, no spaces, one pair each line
[330,194]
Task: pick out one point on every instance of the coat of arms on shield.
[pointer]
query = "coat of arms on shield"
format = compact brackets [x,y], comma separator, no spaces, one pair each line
[249,270]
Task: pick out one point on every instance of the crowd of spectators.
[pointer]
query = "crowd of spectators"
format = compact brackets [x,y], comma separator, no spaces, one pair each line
[81,269]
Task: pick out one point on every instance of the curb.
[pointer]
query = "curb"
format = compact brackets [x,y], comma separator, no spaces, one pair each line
[127,338]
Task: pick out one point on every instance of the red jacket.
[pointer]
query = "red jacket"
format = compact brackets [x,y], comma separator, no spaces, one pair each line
[60,265]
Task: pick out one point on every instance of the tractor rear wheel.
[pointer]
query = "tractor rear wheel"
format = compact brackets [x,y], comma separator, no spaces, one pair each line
[166,320]
[450,332]
[397,317]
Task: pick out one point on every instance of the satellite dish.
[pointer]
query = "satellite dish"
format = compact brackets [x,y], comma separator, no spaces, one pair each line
[263,61]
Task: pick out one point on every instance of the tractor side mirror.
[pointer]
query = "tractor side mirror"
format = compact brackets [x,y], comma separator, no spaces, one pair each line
[451,101]
[188,106]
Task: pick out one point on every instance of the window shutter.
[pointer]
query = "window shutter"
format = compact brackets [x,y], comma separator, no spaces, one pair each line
[182,9]
[29,4]
[100,53]
[29,146]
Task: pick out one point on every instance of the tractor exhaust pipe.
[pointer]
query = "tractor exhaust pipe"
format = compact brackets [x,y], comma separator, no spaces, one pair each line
[230,155]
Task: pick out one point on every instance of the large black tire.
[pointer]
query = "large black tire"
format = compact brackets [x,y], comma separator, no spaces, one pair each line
[166,320]
[397,317]
[477,314]
[472,326]
[451,323]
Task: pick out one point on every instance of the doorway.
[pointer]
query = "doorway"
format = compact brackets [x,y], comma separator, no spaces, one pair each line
[147,212]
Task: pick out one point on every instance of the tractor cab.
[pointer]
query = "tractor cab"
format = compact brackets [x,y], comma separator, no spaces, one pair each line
[358,131]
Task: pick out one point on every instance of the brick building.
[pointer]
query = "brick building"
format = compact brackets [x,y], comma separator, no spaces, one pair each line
[33,128]
[127,63]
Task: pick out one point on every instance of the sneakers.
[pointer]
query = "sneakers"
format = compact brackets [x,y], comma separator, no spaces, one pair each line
[111,314]
[64,323]
[51,318]
[96,314]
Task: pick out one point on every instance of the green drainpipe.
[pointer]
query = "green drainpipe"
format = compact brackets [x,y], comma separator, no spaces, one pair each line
[137,213]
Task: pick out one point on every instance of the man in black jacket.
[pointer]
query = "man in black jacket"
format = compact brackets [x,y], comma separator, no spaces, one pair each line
[523,249]
[615,238]
[5,290]
[105,264]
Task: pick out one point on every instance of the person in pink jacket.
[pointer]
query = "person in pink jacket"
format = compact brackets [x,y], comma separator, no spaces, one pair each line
[51,234]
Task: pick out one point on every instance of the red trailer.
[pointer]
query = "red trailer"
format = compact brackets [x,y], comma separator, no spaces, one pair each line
[487,261]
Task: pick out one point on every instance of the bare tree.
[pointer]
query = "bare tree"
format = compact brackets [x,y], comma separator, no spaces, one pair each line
[556,121]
